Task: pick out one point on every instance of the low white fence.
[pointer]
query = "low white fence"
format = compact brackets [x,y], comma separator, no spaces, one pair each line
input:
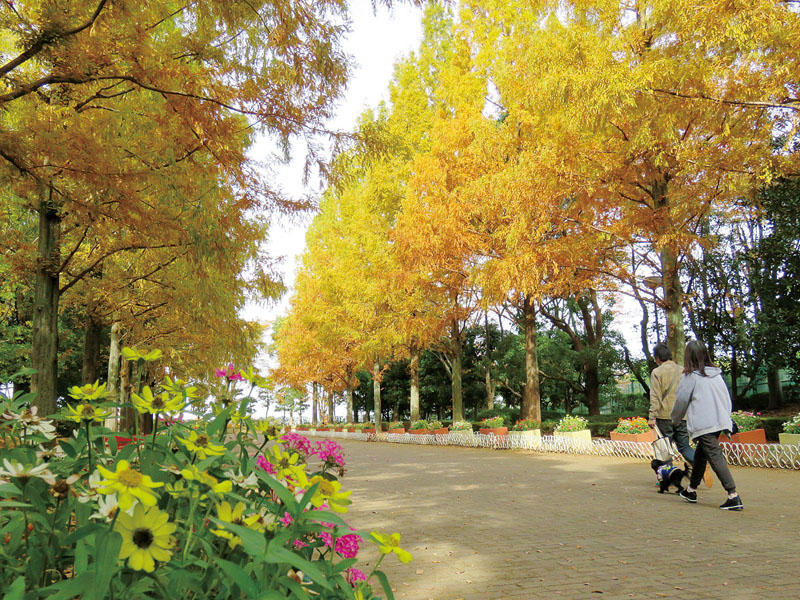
[778,456]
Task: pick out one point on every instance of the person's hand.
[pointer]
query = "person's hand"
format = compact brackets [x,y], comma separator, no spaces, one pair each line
[652,422]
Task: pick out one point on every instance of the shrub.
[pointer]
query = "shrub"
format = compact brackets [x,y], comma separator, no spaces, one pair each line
[526,425]
[396,425]
[435,425]
[746,421]
[572,423]
[420,424]
[634,425]
[510,415]
[792,425]
[461,426]
[492,422]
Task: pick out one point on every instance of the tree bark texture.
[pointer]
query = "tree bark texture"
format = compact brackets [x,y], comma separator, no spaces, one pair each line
[376,393]
[456,348]
[314,401]
[413,367]
[676,340]
[775,387]
[330,406]
[44,347]
[531,399]
[113,383]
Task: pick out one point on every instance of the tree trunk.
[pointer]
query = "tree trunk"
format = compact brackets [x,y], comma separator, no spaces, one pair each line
[531,400]
[113,383]
[314,401]
[676,340]
[458,400]
[775,387]
[128,413]
[330,406]
[44,346]
[734,379]
[490,389]
[349,402]
[91,347]
[413,367]
[592,385]
[376,393]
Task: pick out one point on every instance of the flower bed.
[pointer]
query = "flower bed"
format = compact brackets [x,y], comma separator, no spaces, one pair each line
[184,513]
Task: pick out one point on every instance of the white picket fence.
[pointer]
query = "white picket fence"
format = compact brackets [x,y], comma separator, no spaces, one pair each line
[778,456]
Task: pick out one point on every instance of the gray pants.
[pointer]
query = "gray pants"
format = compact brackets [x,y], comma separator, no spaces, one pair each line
[708,451]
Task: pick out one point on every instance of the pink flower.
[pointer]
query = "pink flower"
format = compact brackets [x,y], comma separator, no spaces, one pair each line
[300,544]
[230,373]
[346,545]
[266,465]
[330,453]
[354,575]
[286,520]
[294,442]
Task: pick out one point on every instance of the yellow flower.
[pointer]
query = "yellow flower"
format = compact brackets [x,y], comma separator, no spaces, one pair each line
[286,466]
[147,403]
[269,429]
[391,543]
[202,444]
[192,473]
[328,492]
[179,388]
[146,537]
[135,354]
[86,412]
[234,516]
[90,391]
[130,485]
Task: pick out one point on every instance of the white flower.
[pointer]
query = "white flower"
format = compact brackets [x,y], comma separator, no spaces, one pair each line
[107,506]
[48,454]
[19,471]
[31,421]
[91,488]
[249,482]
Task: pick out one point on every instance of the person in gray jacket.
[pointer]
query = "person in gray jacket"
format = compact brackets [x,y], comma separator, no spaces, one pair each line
[702,397]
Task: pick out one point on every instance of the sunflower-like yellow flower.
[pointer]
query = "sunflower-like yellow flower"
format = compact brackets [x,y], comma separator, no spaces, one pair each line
[87,412]
[391,543]
[268,429]
[285,463]
[202,445]
[328,492]
[146,537]
[128,484]
[160,403]
[136,354]
[234,515]
[179,387]
[192,473]
[90,391]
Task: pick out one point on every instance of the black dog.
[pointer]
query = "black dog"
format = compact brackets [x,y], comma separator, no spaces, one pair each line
[669,475]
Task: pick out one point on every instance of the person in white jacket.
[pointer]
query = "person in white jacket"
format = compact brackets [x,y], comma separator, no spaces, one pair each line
[702,397]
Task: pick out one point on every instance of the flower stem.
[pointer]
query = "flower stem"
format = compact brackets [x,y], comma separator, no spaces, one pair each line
[155,429]
[89,445]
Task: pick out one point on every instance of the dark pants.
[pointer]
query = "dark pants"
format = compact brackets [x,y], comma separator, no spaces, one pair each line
[678,434]
[709,452]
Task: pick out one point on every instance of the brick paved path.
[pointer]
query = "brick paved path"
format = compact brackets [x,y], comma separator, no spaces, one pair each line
[486,525]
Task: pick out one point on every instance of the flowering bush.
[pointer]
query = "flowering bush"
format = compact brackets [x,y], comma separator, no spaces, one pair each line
[746,421]
[634,425]
[435,425]
[461,426]
[526,425]
[420,424]
[185,512]
[396,425]
[792,425]
[492,422]
[571,423]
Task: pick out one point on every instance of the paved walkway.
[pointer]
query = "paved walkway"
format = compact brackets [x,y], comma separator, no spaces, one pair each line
[487,525]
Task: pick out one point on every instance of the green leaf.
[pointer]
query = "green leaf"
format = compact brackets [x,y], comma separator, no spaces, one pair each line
[281,490]
[324,516]
[68,448]
[108,547]
[72,588]
[215,427]
[82,532]
[254,543]
[239,577]
[296,588]
[385,584]
[7,490]
[344,564]
[16,591]
[277,553]
[13,504]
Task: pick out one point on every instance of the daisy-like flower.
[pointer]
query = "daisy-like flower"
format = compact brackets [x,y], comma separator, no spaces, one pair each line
[234,516]
[146,537]
[249,482]
[87,412]
[63,487]
[160,403]
[91,488]
[91,391]
[179,387]
[129,485]
[202,445]
[286,465]
[192,473]
[48,454]
[16,470]
[31,421]
[107,506]
[391,543]
[268,429]
[328,492]
[136,354]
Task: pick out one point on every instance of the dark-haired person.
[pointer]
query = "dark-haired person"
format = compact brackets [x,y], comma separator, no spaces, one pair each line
[663,384]
[702,397]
